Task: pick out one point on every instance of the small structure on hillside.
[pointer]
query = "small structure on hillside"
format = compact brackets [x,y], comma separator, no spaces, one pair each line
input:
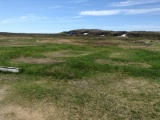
[102,35]
[85,33]
[123,36]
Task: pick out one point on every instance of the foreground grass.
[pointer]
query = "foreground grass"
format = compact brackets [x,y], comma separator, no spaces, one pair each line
[83,81]
[104,96]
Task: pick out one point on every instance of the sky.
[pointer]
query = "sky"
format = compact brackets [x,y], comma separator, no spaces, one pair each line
[53,16]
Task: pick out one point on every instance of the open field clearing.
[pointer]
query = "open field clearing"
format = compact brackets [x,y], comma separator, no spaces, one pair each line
[80,78]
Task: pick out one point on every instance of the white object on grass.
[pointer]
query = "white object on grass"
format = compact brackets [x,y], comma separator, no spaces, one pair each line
[9,69]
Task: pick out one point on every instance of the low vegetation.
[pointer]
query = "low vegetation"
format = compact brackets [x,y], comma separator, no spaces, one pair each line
[79,77]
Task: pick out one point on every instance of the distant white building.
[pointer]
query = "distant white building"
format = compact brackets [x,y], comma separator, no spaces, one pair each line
[124,35]
[102,35]
[85,33]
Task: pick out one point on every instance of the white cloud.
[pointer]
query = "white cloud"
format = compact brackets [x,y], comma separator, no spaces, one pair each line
[142,11]
[40,19]
[67,19]
[25,18]
[6,21]
[133,2]
[120,11]
[100,13]
[29,17]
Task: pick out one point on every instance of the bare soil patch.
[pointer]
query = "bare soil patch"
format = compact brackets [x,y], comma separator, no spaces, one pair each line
[38,60]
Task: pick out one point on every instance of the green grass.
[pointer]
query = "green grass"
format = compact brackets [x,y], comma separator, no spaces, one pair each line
[81,66]
[123,84]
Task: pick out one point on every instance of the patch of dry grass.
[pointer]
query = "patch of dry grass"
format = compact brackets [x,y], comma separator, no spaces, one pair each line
[17,41]
[123,55]
[104,61]
[3,90]
[154,47]
[38,60]
[59,41]
[65,53]
[101,97]
[11,112]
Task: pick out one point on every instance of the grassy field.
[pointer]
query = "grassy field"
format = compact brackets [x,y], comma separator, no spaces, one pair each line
[80,78]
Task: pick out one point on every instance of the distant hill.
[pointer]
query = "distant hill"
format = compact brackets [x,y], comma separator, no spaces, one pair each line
[91,32]
[97,32]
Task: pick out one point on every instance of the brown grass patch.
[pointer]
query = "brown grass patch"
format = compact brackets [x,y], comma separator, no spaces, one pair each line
[145,65]
[57,54]
[34,111]
[28,111]
[65,53]
[136,86]
[13,38]
[154,47]
[118,55]
[59,41]
[103,61]
[11,112]
[84,85]
[38,60]
[17,41]
[132,85]
[3,92]
[105,43]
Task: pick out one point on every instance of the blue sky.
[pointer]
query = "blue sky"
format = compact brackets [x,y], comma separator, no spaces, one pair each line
[52,16]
